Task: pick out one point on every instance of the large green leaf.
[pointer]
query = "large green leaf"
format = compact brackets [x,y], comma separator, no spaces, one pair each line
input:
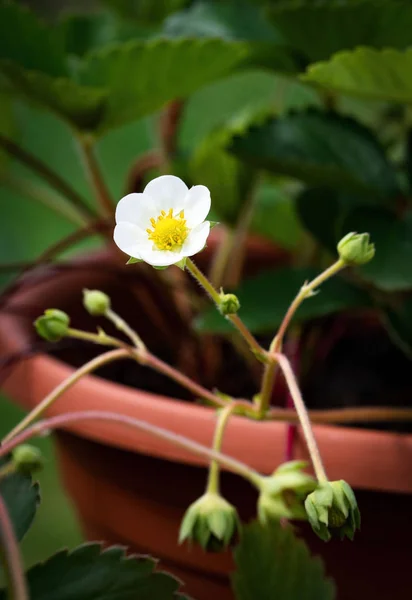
[88,573]
[398,321]
[376,74]
[319,29]
[145,11]
[272,563]
[28,42]
[22,498]
[141,77]
[79,105]
[391,267]
[320,148]
[265,299]
[233,20]
[228,179]
[229,20]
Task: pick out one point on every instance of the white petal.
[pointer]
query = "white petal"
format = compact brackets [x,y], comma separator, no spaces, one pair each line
[197,205]
[167,192]
[160,258]
[196,240]
[137,209]
[130,238]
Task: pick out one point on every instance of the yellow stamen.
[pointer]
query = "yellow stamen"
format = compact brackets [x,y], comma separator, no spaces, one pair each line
[169,232]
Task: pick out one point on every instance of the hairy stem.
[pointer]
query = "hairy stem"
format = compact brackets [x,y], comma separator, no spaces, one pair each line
[303,417]
[46,173]
[63,421]
[306,290]
[214,469]
[234,319]
[11,558]
[124,327]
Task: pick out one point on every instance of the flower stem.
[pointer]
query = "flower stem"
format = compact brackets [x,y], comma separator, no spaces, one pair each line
[214,469]
[11,558]
[303,417]
[121,325]
[50,176]
[96,338]
[235,320]
[305,291]
[95,363]
[96,178]
[66,420]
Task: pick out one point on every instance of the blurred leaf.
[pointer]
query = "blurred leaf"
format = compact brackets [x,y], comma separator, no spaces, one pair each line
[275,216]
[142,76]
[271,562]
[28,42]
[375,74]
[145,11]
[22,497]
[265,299]
[321,211]
[391,267]
[88,573]
[238,20]
[319,148]
[89,31]
[228,179]
[81,106]
[229,20]
[7,127]
[398,321]
[319,29]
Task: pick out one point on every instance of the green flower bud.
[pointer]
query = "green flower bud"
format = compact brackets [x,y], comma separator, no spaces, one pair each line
[97,303]
[53,325]
[355,249]
[282,494]
[27,459]
[228,304]
[333,511]
[211,521]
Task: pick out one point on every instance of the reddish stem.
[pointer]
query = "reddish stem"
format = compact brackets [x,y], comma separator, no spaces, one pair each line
[10,553]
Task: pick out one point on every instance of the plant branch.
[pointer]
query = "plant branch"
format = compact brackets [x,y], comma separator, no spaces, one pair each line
[305,291]
[62,421]
[214,469]
[303,416]
[10,555]
[52,178]
[95,176]
[234,319]
[124,327]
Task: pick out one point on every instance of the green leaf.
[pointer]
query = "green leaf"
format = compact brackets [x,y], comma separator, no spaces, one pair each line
[28,42]
[275,217]
[22,497]
[233,20]
[145,11]
[271,562]
[391,267]
[141,77]
[319,29]
[85,32]
[88,573]
[376,74]
[227,178]
[81,106]
[229,20]
[265,299]
[320,148]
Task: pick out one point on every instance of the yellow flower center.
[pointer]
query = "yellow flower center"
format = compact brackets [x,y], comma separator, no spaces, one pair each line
[169,232]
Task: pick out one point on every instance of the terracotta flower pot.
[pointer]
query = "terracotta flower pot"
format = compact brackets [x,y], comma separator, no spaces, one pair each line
[132,488]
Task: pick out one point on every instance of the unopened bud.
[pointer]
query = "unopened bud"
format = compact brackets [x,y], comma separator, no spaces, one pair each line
[229,304]
[27,459]
[355,249]
[97,303]
[53,325]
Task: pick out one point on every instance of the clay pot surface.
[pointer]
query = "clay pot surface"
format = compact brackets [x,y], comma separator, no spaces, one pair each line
[133,488]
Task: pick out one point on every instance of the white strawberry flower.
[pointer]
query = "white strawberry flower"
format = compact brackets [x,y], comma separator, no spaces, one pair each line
[164,224]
